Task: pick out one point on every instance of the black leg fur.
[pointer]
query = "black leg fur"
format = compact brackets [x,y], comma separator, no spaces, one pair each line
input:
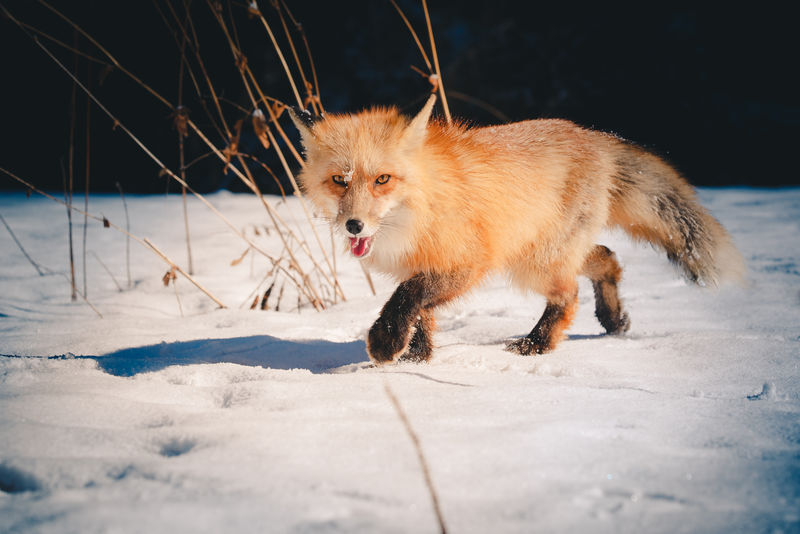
[393,335]
[421,346]
[545,334]
[603,269]
[608,308]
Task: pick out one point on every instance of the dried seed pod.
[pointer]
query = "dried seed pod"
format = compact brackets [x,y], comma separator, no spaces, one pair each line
[169,276]
[260,128]
[233,145]
[180,120]
[241,60]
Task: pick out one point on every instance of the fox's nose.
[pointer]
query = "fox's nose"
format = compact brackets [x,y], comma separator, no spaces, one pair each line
[354,226]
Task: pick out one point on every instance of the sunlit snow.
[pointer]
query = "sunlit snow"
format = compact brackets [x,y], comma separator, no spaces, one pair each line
[261,421]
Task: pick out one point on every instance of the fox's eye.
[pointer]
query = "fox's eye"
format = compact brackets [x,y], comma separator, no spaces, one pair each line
[339,179]
[382,179]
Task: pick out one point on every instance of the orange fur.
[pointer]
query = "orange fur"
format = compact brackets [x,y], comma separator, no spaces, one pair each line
[528,199]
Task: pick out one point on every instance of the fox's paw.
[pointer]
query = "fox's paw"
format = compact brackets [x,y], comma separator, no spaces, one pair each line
[615,325]
[386,341]
[526,346]
[620,326]
[420,348]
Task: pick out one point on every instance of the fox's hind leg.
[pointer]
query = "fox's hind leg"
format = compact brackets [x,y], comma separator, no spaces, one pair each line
[602,268]
[562,303]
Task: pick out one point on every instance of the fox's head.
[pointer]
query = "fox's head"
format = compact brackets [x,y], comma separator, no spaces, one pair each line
[361,173]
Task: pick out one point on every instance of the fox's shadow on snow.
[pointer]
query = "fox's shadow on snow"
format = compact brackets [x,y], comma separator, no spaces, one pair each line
[258,351]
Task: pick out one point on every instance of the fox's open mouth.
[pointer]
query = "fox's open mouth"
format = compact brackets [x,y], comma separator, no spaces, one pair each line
[360,246]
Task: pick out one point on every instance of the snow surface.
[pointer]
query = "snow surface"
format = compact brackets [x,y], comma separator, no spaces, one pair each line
[261,421]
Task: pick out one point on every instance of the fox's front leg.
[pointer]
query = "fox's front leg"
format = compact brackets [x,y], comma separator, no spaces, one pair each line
[420,347]
[409,308]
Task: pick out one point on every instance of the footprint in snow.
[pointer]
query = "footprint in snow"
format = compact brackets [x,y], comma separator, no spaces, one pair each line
[176,447]
[15,480]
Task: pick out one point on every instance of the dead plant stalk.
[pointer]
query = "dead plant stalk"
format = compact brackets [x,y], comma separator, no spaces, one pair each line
[22,249]
[106,223]
[280,55]
[436,63]
[245,69]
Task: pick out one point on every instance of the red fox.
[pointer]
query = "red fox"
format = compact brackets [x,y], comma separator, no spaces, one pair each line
[441,206]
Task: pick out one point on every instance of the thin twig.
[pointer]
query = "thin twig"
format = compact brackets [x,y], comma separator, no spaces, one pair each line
[414,35]
[71,168]
[109,224]
[64,45]
[99,47]
[195,46]
[184,273]
[368,277]
[480,103]
[420,455]
[68,204]
[14,237]
[127,237]
[302,32]
[251,183]
[88,166]
[92,306]
[280,56]
[177,295]
[309,292]
[436,63]
[114,278]
[307,86]
[153,156]
[181,112]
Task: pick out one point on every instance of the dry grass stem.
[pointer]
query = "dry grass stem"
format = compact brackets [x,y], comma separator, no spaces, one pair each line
[68,187]
[108,224]
[171,277]
[127,237]
[311,98]
[481,104]
[414,35]
[186,39]
[369,279]
[401,414]
[181,114]
[152,156]
[184,273]
[301,31]
[94,254]
[99,47]
[22,249]
[87,176]
[250,182]
[436,63]
[280,54]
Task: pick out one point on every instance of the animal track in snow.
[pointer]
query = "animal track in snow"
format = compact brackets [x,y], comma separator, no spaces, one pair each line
[176,447]
[15,480]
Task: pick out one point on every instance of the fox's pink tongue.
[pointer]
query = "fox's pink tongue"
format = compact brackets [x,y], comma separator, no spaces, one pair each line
[359,245]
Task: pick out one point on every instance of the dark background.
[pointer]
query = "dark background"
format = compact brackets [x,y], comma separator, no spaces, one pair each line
[712,90]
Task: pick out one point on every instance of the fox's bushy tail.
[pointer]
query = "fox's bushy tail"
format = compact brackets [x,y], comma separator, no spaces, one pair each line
[651,201]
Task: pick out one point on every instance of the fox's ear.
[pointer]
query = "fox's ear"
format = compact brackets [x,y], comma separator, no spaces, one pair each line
[415,132]
[304,121]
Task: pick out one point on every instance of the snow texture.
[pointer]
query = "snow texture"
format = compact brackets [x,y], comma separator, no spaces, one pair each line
[231,420]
